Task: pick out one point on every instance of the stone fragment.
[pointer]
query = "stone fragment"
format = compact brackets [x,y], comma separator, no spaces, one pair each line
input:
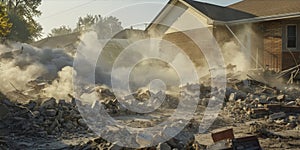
[292,118]
[183,140]
[281,97]
[143,139]
[31,105]
[298,101]
[81,122]
[51,112]
[115,147]
[291,103]
[51,103]
[163,146]
[232,97]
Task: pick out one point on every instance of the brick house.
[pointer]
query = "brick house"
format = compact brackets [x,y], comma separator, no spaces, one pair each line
[272,35]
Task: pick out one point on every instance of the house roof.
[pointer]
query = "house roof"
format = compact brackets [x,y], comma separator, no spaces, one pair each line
[214,12]
[246,11]
[219,13]
[262,8]
[58,41]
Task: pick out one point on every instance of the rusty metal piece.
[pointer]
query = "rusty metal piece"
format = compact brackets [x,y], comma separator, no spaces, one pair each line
[223,135]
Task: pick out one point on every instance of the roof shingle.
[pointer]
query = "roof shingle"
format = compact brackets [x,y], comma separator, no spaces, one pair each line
[218,12]
[267,7]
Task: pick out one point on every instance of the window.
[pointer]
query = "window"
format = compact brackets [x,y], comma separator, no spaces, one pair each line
[291,36]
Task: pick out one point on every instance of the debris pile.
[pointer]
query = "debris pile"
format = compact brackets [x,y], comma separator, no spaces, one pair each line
[253,100]
[60,119]
[184,140]
[39,120]
[227,140]
[263,110]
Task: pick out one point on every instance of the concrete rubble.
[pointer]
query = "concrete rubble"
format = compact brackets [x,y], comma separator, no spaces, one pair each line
[53,120]
[250,107]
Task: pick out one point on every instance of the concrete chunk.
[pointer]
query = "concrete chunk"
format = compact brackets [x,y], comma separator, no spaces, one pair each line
[277,116]
[232,97]
[281,97]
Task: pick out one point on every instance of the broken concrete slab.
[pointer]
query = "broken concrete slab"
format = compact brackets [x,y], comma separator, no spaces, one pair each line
[290,109]
[274,107]
[277,116]
[246,143]
[258,112]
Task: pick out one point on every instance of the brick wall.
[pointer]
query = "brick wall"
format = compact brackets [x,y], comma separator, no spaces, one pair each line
[272,38]
[290,59]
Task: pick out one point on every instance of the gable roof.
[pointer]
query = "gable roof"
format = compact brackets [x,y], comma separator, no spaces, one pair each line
[212,12]
[262,8]
[246,11]
[60,41]
[219,13]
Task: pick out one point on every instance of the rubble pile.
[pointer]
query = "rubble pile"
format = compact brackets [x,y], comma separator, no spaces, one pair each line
[39,120]
[267,108]
[252,100]
[60,119]
[114,107]
[183,140]
[49,117]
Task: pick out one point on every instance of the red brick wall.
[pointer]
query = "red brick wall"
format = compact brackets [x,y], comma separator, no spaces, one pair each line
[273,45]
[290,59]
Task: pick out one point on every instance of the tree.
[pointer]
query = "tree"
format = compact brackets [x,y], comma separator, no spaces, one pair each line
[86,23]
[5,25]
[62,30]
[105,27]
[20,30]
[21,14]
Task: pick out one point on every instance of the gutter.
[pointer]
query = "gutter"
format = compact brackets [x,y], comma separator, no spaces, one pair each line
[258,19]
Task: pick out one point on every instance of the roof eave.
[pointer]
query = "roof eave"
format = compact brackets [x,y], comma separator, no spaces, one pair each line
[209,20]
[162,14]
[258,19]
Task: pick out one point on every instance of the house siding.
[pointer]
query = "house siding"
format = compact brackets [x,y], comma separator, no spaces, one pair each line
[185,43]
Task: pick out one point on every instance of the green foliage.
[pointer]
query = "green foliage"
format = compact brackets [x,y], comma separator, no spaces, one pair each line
[62,30]
[21,14]
[5,25]
[85,23]
[20,30]
[105,27]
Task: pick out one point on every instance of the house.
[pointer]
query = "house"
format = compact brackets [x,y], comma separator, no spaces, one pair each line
[266,30]
[67,41]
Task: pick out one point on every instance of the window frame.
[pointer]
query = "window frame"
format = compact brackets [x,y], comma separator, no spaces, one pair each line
[287,37]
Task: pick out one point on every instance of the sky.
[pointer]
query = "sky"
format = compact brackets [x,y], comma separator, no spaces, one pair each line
[136,13]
